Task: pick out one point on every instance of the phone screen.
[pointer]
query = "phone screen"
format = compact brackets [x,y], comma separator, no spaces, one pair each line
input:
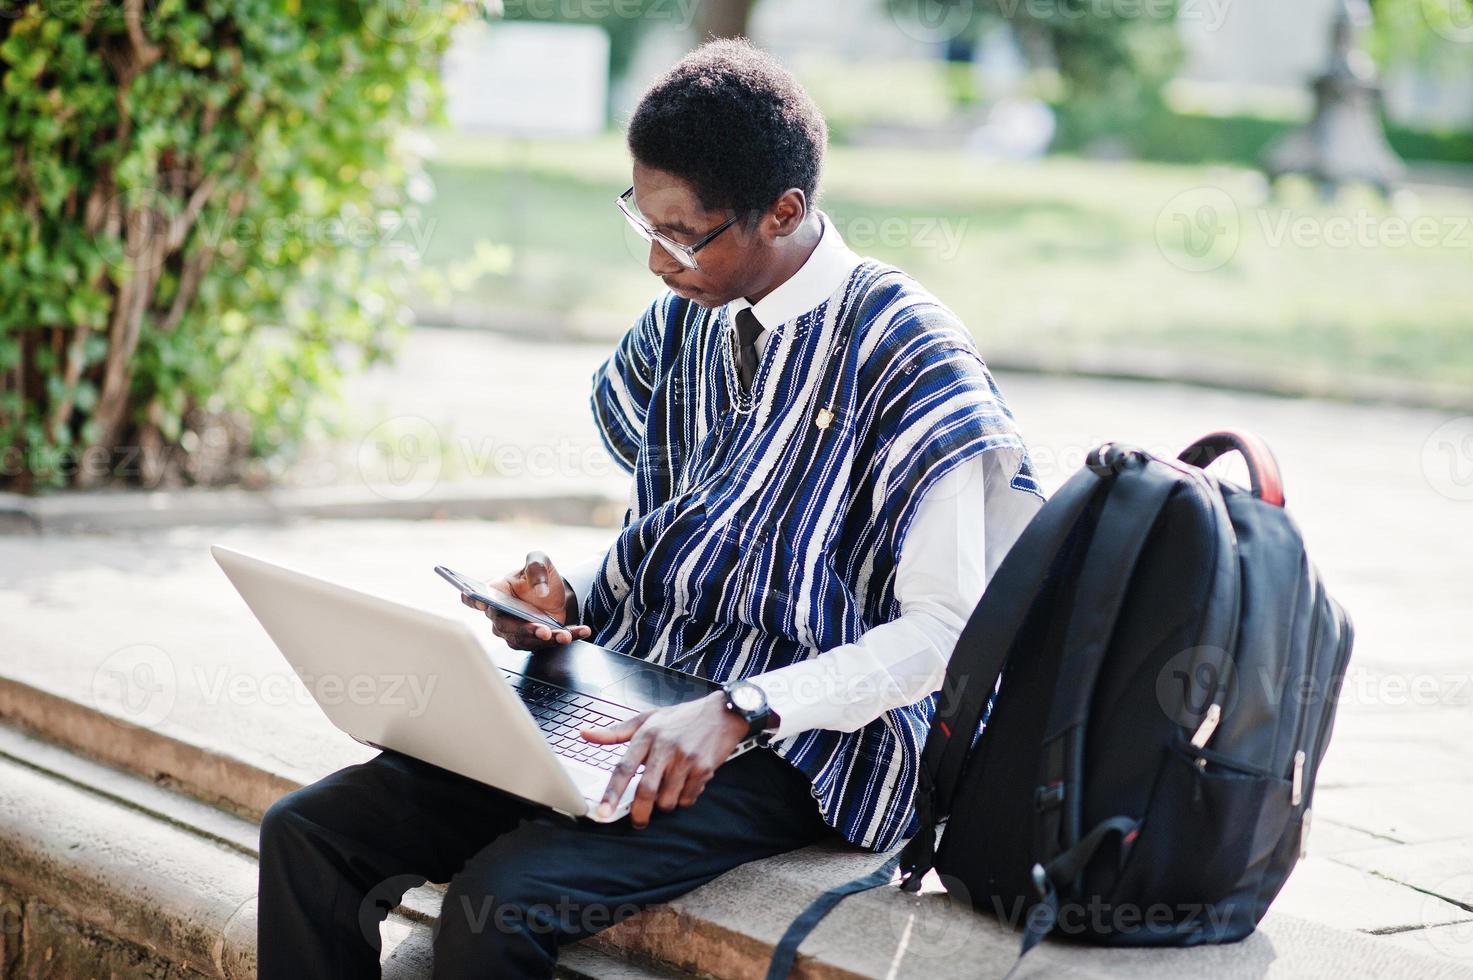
[497,599]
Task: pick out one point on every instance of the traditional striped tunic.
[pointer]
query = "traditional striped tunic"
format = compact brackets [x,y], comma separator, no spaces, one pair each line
[758,536]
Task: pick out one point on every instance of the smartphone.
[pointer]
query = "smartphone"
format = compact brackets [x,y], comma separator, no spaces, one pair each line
[497,599]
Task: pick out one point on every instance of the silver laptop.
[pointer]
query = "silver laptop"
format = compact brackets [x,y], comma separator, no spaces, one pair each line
[399,678]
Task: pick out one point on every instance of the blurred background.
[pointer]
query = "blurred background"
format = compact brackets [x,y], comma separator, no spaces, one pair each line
[1236,193]
[327,282]
[1084,182]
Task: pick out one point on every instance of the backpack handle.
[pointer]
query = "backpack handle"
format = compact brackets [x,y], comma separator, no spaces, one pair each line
[1263,469]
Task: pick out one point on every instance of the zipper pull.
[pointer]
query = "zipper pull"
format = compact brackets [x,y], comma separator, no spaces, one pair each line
[1208,726]
[1296,793]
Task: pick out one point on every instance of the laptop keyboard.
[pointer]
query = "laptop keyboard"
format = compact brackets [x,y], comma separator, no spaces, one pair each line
[561,713]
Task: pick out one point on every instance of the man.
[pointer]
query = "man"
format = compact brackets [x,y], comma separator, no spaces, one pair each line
[824,477]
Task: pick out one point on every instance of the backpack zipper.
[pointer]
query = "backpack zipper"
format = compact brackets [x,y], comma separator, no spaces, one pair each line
[1209,725]
[1302,722]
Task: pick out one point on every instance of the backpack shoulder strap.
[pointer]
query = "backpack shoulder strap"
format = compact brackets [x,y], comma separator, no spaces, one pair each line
[982,651]
[786,950]
[1104,581]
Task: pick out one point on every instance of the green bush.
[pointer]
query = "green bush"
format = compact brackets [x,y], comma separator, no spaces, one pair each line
[207,215]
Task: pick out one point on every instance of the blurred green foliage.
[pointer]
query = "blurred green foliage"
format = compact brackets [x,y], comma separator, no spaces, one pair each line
[1169,136]
[205,214]
[1111,68]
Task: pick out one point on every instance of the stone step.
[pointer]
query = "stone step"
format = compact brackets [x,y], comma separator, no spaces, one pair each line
[554,500]
[111,870]
[104,873]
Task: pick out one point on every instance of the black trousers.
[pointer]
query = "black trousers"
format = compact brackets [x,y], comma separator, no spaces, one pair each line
[338,855]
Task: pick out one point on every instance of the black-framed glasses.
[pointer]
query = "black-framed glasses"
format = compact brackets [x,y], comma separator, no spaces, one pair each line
[684,254]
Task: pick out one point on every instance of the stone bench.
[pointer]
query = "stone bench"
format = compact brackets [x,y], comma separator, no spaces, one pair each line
[121,867]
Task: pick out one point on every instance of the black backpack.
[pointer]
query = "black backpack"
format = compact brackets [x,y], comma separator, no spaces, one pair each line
[1167,666]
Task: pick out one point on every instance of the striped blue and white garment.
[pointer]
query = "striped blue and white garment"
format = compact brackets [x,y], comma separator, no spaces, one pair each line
[765,526]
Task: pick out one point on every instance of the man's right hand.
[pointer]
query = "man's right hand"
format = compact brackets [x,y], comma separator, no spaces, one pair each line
[538,584]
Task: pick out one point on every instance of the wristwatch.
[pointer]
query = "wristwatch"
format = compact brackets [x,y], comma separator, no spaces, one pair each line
[749,701]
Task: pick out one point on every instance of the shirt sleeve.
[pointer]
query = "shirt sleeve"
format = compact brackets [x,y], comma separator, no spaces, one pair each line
[623,385]
[580,577]
[939,579]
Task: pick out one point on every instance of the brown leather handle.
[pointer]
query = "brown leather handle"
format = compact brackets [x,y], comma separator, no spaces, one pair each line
[1263,469]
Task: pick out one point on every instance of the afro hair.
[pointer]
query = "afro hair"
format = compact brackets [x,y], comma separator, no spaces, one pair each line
[733,123]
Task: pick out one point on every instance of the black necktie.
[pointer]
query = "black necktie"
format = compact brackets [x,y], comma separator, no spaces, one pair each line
[747,330]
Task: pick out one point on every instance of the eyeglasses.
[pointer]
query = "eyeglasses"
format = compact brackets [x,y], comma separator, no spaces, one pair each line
[684,254]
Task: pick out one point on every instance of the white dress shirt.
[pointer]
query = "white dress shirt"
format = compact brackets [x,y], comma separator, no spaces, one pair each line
[962,528]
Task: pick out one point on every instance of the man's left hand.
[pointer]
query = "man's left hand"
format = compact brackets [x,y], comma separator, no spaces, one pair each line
[680,748]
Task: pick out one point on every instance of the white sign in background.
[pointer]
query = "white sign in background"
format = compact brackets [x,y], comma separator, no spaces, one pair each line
[528,78]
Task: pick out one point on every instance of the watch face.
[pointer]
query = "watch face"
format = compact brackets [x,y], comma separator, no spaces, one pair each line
[747,697]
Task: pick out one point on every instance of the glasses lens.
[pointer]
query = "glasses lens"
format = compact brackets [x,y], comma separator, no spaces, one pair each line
[638,223]
[679,254]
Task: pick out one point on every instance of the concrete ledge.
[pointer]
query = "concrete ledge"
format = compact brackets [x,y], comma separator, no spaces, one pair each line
[131,860]
[103,874]
[231,784]
[559,501]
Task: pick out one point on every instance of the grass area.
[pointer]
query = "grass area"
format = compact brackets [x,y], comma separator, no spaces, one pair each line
[1052,255]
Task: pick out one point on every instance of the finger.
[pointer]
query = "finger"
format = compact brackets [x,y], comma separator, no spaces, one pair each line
[621,731]
[620,777]
[672,786]
[582,632]
[535,570]
[693,789]
[648,789]
[473,602]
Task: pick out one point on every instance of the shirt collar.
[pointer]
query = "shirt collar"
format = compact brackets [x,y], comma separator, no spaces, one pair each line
[816,280]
